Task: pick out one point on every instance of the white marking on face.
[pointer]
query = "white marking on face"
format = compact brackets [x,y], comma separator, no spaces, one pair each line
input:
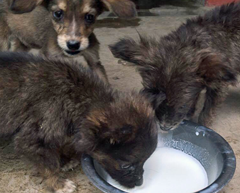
[62,42]
[86,8]
[84,43]
[62,6]
[93,11]
[73,26]
[90,10]
[54,7]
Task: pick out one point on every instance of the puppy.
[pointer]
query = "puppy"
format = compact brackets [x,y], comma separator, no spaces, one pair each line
[56,110]
[59,27]
[203,53]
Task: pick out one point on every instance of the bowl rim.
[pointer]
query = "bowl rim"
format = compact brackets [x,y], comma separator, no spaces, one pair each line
[229,165]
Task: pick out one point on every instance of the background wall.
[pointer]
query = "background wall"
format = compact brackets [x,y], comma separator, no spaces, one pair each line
[147,4]
[218,2]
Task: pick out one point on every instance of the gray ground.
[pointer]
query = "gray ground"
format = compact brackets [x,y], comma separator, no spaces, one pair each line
[16,174]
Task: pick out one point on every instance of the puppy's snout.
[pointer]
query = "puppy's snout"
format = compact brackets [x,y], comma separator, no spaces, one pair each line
[73,45]
[139,180]
[165,128]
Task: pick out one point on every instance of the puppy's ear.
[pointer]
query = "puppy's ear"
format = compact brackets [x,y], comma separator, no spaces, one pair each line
[24,6]
[155,96]
[129,50]
[143,53]
[121,8]
[213,70]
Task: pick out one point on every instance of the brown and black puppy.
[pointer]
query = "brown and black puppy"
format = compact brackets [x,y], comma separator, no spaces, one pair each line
[203,53]
[56,109]
[59,27]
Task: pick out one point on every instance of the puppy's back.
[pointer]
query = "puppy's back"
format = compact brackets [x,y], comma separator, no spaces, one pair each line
[224,15]
[224,19]
[32,88]
[26,68]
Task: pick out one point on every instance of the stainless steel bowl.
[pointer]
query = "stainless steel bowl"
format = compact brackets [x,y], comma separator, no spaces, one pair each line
[208,147]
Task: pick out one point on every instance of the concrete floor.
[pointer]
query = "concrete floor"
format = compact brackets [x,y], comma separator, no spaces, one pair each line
[16,174]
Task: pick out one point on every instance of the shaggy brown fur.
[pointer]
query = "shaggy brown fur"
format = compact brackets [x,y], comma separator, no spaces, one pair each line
[64,29]
[54,109]
[203,53]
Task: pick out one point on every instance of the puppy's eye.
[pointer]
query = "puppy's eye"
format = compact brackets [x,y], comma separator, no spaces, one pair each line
[58,14]
[127,167]
[89,18]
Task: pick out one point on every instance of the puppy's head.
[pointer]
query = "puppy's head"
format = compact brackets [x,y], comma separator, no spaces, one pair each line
[174,101]
[124,135]
[176,92]
[74,20]
[173,78]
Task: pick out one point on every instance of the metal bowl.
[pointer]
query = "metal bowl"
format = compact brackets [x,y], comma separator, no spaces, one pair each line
[208,147]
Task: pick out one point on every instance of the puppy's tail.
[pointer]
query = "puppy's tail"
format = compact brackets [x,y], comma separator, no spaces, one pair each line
[140,53]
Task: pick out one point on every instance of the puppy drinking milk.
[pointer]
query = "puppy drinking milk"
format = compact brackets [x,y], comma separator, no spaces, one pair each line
[54,110]
[58,27]
[203,53]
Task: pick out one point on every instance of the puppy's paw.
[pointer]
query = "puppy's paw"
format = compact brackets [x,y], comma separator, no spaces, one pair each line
[70,165]
[69,187]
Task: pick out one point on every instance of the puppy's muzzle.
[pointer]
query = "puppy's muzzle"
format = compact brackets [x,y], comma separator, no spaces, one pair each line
[166,128]
[74,47]
[139,181]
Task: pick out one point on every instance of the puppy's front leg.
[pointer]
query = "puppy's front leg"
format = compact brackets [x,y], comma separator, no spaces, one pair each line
[4,34]
[91,55]
[46,157]
[213,98]
[56,183]
[15,45]
[69,158]
[53,180]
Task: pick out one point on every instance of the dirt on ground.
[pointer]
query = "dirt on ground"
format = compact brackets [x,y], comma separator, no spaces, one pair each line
[17,174]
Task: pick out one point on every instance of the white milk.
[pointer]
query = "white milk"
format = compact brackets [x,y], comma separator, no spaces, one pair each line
[169,171]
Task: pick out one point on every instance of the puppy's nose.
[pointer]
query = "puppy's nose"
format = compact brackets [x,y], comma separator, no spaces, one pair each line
[139,181]
[165,128]
[73,45]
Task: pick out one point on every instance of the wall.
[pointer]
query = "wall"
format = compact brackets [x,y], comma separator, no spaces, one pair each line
[218,2]
[147,4]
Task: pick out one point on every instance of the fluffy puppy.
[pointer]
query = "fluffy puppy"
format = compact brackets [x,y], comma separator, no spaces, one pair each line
[56,109]
[203,53]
